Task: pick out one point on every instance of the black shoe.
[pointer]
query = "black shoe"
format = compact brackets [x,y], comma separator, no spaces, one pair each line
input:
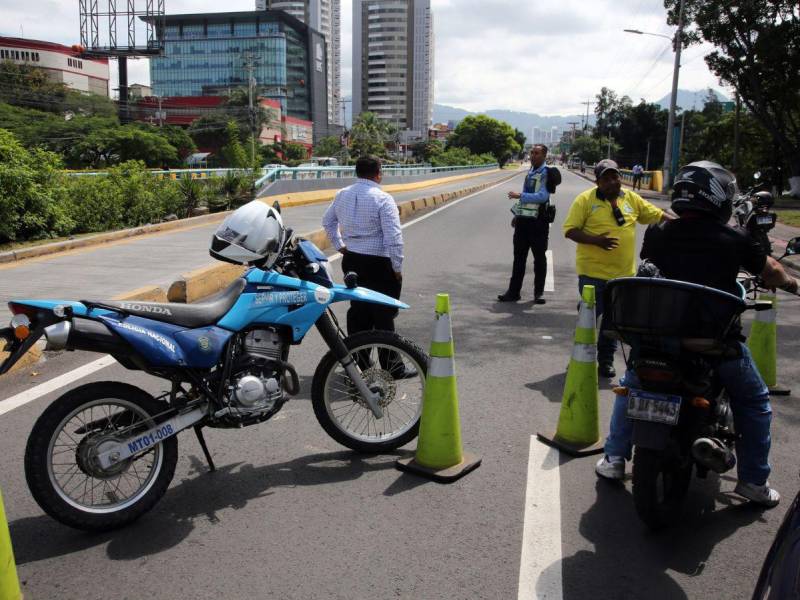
[507,298]
[606,370]
[539,300]
[406,373]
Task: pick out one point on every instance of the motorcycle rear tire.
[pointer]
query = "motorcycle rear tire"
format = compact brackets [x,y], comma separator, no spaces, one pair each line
[660,485]
[368,443]
[40,454]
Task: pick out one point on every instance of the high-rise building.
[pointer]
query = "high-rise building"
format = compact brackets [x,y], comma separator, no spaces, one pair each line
[209,54]
[325,17]
[393,62]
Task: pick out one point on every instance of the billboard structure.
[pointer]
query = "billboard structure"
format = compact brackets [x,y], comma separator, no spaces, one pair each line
[121,29]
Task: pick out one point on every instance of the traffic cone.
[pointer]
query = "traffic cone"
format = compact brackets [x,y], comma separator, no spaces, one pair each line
[9,584]
[763,344]
[439,453]
[578,430]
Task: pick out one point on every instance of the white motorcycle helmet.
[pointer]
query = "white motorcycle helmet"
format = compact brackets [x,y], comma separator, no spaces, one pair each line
[253,233]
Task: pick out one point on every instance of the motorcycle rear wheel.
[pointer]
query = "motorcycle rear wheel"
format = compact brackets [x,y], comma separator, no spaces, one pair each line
[342,412]
[63,475]
[660,485]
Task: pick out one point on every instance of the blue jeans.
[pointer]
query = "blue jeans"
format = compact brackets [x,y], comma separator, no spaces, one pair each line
[752,415]
[605,345]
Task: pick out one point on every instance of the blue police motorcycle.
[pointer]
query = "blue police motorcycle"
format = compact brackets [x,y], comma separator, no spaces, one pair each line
[103,454]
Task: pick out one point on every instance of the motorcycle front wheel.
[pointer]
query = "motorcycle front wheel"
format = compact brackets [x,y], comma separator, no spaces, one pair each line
[60,458]
[390,365]
[659,487]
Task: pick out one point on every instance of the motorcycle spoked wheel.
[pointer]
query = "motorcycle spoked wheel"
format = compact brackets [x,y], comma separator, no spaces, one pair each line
[66,481]
[342,412]
[660,485]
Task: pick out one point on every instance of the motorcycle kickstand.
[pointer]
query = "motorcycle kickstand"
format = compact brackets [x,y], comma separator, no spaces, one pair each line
[198,430]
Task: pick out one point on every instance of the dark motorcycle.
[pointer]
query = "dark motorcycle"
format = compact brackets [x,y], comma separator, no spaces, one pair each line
[681,414]
[752,212]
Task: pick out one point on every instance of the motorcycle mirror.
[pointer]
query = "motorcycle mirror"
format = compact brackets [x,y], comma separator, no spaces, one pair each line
[277,206]
[762,305]
[793,246]
[757,175]
[351,280]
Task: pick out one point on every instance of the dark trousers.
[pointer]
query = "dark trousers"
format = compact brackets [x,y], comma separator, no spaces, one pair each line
[637,180]
[375,273]
[530,235]
[606,346]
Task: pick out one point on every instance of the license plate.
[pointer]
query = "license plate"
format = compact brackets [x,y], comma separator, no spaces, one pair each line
[656,408]
[764,220]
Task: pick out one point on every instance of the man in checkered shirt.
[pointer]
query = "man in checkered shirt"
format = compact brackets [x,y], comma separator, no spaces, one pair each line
[363,223]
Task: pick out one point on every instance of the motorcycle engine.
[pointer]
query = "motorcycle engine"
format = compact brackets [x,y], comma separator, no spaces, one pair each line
[256,380]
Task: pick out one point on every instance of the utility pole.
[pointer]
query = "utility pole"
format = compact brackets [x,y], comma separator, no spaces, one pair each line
[736,132]
[250,63]
[677,45]
[586,122]
[573,123]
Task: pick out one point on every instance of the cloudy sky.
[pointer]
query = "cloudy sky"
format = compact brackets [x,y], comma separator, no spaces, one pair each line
[534,56]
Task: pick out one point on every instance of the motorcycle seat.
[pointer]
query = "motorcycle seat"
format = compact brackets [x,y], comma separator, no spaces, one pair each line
[200,314]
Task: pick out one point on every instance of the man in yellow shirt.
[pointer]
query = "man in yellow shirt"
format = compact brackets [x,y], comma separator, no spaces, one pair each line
[602,221]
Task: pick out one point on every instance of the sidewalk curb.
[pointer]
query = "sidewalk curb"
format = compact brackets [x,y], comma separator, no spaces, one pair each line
[112,236]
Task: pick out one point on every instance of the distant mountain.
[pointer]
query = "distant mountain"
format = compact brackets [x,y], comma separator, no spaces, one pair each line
[525,122]
[692,99]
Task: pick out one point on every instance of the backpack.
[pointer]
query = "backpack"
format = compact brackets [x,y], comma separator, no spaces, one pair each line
[553,179]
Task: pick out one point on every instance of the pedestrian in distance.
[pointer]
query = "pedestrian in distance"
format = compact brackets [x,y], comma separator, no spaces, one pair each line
[638,173]
[363,224]
[700,247]
[602,221]
[531,229]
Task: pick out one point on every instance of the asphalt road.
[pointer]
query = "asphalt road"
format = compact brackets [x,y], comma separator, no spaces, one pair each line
[290,514]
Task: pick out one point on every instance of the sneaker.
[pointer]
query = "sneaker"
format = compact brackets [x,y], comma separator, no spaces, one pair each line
[507,298]
[539,300]
[606,370]
[611,467]
[760,494]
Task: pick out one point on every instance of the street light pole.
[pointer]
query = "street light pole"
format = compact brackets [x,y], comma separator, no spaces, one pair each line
[677,44]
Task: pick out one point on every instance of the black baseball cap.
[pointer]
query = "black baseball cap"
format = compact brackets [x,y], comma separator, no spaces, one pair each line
[603,166]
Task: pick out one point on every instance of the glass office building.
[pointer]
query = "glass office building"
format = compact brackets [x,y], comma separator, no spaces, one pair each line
[209,54]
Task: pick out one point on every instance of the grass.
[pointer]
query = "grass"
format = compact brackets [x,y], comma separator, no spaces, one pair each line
[789,217]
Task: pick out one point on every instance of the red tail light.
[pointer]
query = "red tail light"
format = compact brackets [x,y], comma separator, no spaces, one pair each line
[656,375]
[21,309]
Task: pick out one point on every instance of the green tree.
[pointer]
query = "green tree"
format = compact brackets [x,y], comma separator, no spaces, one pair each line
[756,53]
[520,138]
[589,149]
[481,134]
[105,147]
[368,135]
[233,152]
[427,150]
[294,151]
[209,132]
[328,146]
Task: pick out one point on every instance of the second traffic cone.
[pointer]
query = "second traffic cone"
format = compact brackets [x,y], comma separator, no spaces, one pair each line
[763,344]
[9,583]
[439,453]
[578,430]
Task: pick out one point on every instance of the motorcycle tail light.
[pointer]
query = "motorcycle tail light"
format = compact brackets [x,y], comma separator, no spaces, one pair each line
[656,375]
[699,402]
[21,325]
[621,391]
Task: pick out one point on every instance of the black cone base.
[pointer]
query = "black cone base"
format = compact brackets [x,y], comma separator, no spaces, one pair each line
[570,448]
[469,462]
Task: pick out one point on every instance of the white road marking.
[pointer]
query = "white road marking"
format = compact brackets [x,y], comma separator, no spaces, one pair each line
[45,388]
[540,560]
[50,386]
[550,281]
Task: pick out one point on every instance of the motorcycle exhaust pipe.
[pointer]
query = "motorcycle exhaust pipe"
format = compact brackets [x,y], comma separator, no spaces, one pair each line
[713,454]
[57,335]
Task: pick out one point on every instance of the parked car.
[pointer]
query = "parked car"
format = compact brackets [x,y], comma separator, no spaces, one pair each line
[780,573]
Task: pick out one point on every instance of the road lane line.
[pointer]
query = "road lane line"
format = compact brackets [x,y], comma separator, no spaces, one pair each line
[52,385]
[62,380]
[540,560]
[550,281]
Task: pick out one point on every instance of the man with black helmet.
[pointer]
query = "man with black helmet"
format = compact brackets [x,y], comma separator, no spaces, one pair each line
[699,247]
